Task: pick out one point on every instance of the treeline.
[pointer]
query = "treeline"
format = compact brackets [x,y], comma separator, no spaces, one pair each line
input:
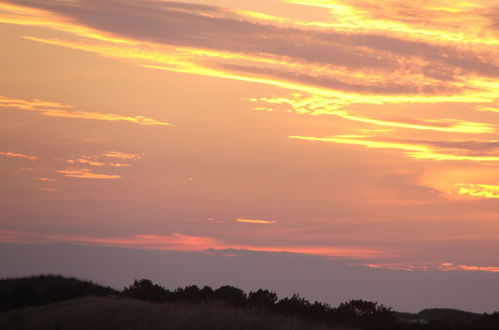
[358,314]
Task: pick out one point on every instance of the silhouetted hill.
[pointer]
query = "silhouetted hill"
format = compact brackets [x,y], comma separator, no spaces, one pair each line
[46,289]
[447,315]
[146,305]
[106,313]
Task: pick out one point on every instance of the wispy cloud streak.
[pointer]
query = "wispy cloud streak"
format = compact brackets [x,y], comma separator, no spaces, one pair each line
[87,174]
[182,242]
[54,109]
[256,221]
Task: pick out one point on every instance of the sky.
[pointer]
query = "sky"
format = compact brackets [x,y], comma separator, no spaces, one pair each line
[349,131]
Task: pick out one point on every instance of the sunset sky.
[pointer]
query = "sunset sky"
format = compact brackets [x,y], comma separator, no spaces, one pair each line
[357,130]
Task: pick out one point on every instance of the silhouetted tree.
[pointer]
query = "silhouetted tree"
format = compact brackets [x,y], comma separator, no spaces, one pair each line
[194,294]
[484,322]
[295,305]
[365,314]
[231,295]
[145,289]
[262,298]
[320,311]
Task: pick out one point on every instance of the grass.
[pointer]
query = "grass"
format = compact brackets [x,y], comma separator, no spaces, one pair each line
[114,312]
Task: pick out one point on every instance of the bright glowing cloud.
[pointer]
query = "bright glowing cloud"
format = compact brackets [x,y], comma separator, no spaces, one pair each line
[423,150]
[317,105]
[17,155]
[433,70]
[54,109]
[256,221]
[470,182]
[479,190]
[448,266]
[444,266]
[121,155]
[87,174]
[87,161]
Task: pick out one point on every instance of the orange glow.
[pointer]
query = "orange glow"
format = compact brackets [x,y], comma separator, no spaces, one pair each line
[95,163]
[17,155]
[445,266]
[87,174]
[479,190]
[121,155]
[181,242]
[464,183]
[255,221]
[448,266]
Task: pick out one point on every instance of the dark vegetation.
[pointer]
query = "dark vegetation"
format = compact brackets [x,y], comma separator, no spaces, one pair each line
[46,289]
[145,305]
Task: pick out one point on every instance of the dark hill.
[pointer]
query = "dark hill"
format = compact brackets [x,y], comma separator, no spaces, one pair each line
[46,289]
[447,315]
[105,313]
[69,303]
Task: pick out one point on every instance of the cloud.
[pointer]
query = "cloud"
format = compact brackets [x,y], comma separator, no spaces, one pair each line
[182,242]
[54,109]
[314,104]
[479,190]
[228,43]
[256,221]
[471,182]
[489,109]
[448,266]
[17,155]
[419,149]
[445,266]
[121,155]
[88,161]
[87,174]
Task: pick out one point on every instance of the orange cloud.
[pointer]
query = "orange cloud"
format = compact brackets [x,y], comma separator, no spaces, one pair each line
[365,68]
[488,109]
[87,174]
[479,190]
[95,163]
[121,155]
[446,266]
[17,155]
[255,221]
[317,105]
[175,241]
[440,20]
[181,242]
[53,109]
[417,150]
[463,182]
